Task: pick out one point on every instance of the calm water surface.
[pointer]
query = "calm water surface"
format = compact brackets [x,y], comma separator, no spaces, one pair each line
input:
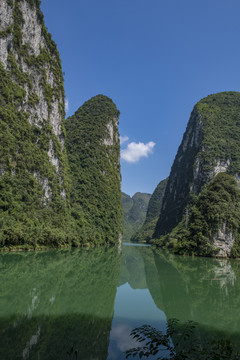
[91,299]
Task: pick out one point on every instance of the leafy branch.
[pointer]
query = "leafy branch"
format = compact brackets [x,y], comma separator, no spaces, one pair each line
[179,342]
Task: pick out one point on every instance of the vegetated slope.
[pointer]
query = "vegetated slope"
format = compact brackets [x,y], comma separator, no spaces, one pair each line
[34,184]
[210,145]
[145,233]
[134,210]
[93,148]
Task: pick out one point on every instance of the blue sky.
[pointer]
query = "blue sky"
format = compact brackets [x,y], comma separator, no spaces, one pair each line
[155,59]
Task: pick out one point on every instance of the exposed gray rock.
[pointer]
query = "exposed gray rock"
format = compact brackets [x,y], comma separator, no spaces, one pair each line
[221,166]
[31,28]
[109,140]
[6,16]
[52,156]
[224,241]
[40,113]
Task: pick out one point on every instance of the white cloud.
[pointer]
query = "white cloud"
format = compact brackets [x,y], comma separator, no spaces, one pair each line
[121,334]
[135,151]
[66,105]
[123,139]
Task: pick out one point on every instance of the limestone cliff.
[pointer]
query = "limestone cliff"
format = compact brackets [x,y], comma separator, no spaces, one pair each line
[37,206]
[93,149]
[210,146]
[33,164]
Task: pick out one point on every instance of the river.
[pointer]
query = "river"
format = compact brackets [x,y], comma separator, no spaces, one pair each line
[89,300]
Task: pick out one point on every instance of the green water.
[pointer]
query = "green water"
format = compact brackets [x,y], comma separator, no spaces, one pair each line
[91,299]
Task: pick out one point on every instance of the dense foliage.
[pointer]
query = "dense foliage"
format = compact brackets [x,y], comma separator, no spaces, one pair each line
[216,207]
[221,130]
[93,149]
[179,342]
[37,207]
[134,211]
[145,233]
[211,141]
[29,217]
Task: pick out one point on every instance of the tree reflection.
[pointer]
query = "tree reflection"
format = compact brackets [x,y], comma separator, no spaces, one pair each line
[200,289]
[55,300]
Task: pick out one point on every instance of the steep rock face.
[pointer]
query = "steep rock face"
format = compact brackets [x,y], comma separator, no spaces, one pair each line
[93,148]
[209,147]
[224,241]
[31,58]
[182,176]
[33,165]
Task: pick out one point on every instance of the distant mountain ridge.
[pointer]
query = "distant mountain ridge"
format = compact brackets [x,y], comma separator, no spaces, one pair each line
[145,233]
[134,211]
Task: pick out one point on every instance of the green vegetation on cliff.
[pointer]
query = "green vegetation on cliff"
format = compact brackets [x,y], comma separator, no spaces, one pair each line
[134,210]
[221,131]
[33,210]
[93,149]
[37,206]
[217,207]
[145,233]
[210,145]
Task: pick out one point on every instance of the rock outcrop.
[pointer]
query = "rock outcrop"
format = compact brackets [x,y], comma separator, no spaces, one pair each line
[224,241]
[210,147]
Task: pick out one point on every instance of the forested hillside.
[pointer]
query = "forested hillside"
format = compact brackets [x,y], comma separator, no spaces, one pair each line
[200,211]
[93,149]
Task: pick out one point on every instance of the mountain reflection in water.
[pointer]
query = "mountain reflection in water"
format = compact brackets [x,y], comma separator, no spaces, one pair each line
[91,299]
[54,300]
